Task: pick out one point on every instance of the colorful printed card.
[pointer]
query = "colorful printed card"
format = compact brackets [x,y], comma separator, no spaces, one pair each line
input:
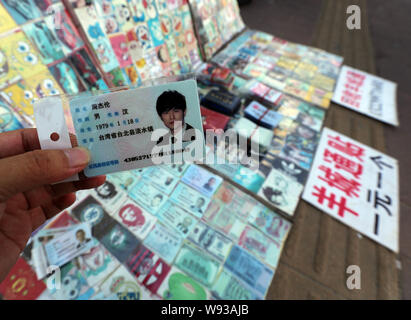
[149,269]
[247,268]
[73,285]
[123,285]
[179,286]
[19,59]
[21,283]
[135,219]
[220,217]
[263,248]
[211,241]
[90,210]
[271,224]
[199,265]
[96,264]
[119,241]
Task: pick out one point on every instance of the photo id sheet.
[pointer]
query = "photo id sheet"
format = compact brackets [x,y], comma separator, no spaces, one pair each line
[177,218]
[189,199]
[202,180]
[128,129]
[69,245]
[148,196]
[164,180]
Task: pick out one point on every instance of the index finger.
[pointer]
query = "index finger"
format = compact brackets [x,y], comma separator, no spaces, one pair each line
[20,141]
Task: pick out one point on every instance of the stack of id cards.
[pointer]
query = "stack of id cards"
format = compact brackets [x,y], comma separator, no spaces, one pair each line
[126,129]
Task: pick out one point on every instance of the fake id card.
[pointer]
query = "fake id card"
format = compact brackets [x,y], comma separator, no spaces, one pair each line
[127,129]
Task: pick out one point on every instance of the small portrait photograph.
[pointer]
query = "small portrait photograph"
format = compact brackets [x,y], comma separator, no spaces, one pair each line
[168,181]
[156,201]
[198,206]
[132,216]
[209,185]
[171,107]
[106,190]
[81,238]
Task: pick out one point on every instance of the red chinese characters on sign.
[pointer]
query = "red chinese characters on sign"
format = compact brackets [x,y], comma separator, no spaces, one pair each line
[351,93]
[346,147]
[343,163]
[337,180]
[320,193]
[342,170]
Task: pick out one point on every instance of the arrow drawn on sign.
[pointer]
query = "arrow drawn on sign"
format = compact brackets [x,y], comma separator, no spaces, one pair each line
[378,161]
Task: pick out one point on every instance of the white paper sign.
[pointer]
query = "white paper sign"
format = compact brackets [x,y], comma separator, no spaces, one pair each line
[357,185]
[368,94]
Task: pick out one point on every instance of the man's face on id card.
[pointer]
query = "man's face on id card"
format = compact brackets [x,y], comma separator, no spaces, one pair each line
[173,119]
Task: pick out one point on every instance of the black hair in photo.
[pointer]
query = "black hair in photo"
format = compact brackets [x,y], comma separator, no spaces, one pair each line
[111,190]
[170,99]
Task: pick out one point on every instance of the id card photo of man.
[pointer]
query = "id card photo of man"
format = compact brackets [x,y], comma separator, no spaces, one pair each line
[171,107]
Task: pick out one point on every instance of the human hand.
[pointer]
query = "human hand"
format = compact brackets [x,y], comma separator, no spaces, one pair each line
[28,196]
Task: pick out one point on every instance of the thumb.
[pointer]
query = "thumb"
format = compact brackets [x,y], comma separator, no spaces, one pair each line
[33,169]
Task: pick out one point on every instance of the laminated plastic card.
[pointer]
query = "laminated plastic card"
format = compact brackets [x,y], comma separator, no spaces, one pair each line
[126,129]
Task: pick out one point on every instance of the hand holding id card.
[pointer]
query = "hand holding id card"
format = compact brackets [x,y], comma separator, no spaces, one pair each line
[126,129]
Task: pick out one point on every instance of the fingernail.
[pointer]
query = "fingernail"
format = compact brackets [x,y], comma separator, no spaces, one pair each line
[77,157]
